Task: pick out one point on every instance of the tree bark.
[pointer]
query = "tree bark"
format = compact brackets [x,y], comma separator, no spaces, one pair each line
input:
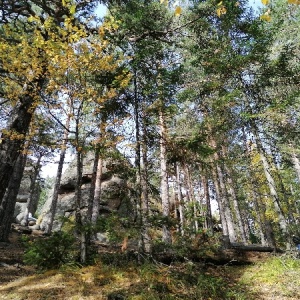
[62,155]
[235,203]
[146,239]
[8,204]
[220,203]
[208,214]
[166,235]
[192,197]
[19,124]
[180,199]
[32,201]
[271,185]
[226,205]
[97,192]
[256,200]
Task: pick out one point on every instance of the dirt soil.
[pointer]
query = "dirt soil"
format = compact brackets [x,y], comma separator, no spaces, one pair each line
[11,260]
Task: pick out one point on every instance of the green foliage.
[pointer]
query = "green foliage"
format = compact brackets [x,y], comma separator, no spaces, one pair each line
[279,274]
[116,227]
[51,252]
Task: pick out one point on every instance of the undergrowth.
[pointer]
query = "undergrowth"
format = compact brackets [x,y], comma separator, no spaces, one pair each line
[134,276]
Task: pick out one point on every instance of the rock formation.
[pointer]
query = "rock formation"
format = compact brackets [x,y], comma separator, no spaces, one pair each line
[113,192]
[23,197]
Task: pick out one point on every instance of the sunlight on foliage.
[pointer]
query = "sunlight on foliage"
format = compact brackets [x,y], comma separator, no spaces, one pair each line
[266,16]
[178,11]
[221,10]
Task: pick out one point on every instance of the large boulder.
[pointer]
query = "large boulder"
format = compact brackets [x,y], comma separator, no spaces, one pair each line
[113,192]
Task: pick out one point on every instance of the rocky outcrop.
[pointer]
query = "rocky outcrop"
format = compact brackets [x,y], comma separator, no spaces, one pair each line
[23,197]
[113,192]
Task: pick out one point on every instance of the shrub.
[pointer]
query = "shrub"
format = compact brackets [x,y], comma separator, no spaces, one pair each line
[51,252]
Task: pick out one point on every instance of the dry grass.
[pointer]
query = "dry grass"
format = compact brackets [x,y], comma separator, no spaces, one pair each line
[116,277]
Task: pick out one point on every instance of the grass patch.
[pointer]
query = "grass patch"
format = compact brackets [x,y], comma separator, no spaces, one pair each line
[111,280]
[279,276]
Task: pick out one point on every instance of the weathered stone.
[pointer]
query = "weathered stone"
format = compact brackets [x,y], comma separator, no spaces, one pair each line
[102,237]
[23,197]
[113,192]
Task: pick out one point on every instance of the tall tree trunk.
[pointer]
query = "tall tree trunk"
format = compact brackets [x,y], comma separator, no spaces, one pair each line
[271,184]
[93,184]
[281,186]
[8,204]
[19,124]
[192,197]
[79,217]
[166,235]
[208,213]
[220,203]
[98,166]
[146,239]
[32,201]
[180,199]
[58,175]
[97,192]
[235,203]
[138,183]
[256,200]
[226,205]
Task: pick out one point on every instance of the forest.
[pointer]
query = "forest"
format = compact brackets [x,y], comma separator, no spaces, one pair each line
[194,104]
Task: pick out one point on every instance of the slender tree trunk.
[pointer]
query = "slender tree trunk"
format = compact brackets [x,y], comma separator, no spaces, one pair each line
[259,214]
[166,236]
[180,199]
[220,203]
[80,222]
[138,195]
[282,187]
[192,197]
[235,203]
[58,176]
[208,213]
[32,201]
[271,185]
[226,205]
[267,226]
[8,204]
[93,184]
[146,239]
[97,193]
[80,211]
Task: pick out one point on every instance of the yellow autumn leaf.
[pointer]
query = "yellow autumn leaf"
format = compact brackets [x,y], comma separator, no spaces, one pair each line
[221,11]
[73,9]
[265,2]
[297,2]
[265,17]
[178,11]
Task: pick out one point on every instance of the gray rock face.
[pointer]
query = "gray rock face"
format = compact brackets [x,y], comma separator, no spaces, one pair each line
[113,191]
[20,212]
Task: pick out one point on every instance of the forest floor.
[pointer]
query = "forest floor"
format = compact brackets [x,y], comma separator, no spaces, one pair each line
[261,276]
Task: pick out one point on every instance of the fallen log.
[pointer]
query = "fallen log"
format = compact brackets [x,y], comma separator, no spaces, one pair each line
[253,247]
